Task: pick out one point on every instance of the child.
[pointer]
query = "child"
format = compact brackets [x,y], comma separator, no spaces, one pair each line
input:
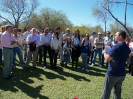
[67,51]
[85,52]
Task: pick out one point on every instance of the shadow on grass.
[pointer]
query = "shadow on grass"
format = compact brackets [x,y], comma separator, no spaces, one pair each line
[20,83]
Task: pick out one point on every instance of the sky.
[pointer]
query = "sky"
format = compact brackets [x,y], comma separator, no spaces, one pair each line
[80,11]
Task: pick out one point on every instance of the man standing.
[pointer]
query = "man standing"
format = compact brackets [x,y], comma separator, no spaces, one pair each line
[92,38]
[107,42]
[116,72]
[2,31]
[7,41]
[67,34]
[45,40]
[25,44]
[33,41]
[98,49]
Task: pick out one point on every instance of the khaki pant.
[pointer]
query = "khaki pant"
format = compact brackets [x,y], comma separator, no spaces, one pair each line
[34,57]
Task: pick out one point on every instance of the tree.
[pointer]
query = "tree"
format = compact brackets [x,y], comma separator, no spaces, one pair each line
[101,14]
[109,4]
[16,11]
[50,18]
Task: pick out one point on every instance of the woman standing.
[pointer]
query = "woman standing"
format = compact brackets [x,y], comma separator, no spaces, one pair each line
[76,50]
[55,46]
[85,50]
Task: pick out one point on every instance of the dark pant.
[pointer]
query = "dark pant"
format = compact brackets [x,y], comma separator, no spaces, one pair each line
[0,56]
[112,82]
[40,53]
[54,59]
[47,49]
[75,59]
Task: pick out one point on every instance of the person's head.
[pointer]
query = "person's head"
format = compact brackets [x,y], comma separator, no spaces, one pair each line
[58,29]
[55,35]
[69,39]
[67,30]
[28,28]
[15,31]
[33,30]
[37,31]
[108,34]
[3,29]
[99,35]
[77,33]
[9,28]
[19,31]
[93,34]
[120,36]
[46,30]
[86,36]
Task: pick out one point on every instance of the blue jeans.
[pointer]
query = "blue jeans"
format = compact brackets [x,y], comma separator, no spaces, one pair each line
[19,52]
[84,61]
[112,82]
[0,56]
[99,52]
[66,59]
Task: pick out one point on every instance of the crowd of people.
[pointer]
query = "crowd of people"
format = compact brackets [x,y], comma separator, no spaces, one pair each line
[68,47]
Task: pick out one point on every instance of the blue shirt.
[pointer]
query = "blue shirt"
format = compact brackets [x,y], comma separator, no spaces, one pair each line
[119,53]
[33,37]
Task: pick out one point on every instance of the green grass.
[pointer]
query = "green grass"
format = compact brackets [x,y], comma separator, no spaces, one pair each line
[63,83]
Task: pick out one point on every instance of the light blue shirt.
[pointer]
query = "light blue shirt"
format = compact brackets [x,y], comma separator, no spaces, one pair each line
[33,37]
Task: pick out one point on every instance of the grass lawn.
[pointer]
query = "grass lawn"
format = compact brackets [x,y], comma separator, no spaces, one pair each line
[63,83]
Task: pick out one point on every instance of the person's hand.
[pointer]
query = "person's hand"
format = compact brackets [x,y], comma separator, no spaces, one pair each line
[74,48]
[130,55]
[13,42]
[103,51]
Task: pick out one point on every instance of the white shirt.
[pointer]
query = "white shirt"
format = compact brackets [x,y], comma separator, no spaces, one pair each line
[67,35]
[99,40]
[92,40]
[45,39]
[131,46]
[107,41]
[19,39]
[55,43]
[25,35]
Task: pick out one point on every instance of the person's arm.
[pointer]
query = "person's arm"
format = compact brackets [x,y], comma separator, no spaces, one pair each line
[106,56]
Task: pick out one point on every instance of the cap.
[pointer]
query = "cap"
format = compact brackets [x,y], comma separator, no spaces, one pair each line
[99,33]
[93,32]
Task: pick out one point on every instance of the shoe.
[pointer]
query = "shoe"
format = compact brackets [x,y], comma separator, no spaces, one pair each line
[34,67]
[87,70]
[44,67]
[100,65]
[11,76]
[7,78]
[83,68]
[92,64]
[14,67]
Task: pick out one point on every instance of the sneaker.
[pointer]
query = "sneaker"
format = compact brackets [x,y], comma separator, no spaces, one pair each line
[87,70]
[100,65]
[44,67]
[92,64]
[83,68]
